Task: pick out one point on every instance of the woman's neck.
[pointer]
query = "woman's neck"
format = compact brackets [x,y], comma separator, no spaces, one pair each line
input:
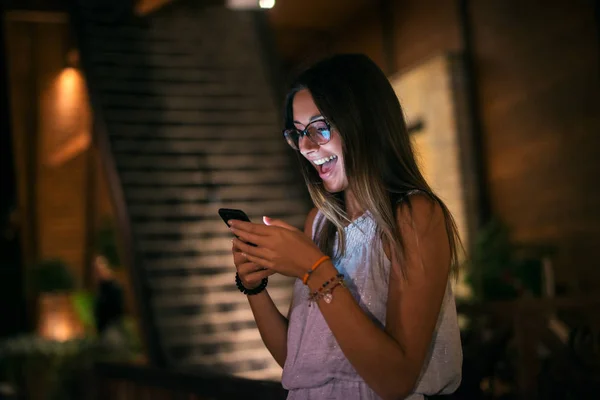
[353,209]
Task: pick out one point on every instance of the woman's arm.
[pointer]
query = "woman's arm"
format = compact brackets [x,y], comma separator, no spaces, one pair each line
[272,325]
[390,361]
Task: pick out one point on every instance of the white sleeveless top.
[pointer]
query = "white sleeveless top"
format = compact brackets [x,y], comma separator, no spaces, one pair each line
[316,368]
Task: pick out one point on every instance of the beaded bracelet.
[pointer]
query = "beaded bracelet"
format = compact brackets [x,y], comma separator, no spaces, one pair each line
[250,292]
[315,266]
[325,292]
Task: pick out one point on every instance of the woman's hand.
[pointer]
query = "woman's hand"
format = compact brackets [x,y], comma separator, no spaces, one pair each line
[250,273]
[279,246]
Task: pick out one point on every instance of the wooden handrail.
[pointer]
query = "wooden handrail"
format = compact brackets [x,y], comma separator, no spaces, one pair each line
[101,139]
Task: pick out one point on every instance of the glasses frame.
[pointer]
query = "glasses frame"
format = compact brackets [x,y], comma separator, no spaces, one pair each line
[304,133]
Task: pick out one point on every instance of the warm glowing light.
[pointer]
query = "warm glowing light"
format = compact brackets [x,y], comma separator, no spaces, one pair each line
[249,4]
[69,149]
[57,319]
[67,118]
[68,86]
[266,3]
[58,329]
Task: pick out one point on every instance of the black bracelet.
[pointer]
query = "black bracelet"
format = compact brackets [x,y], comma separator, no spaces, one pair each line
[250,292]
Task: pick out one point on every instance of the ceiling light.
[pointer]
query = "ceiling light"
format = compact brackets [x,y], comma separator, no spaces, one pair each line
[266,3]
[249,4]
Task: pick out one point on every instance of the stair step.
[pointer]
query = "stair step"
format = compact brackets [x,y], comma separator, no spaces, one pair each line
[271,373]
[231,76]
[185,244]
[225,279]
[164,131]
[191,117]
[214,327]
[250,366]
[215,226]
[231,177]
[156,274]
[265,146]
[178,322]
[118,72]
[224,261]
[221,194]
[272,207]
[191,338]
[185,103]
[233,357]
[173,302]
[211,349]
[106,32]
[184,289]
[218,60]
[240,314]
[173,88]
[191,310]
[201,85]
[210,162]
[101,33]
[165,45]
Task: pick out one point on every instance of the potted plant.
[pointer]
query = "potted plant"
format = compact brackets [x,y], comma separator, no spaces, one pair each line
[499,269]
[54,285]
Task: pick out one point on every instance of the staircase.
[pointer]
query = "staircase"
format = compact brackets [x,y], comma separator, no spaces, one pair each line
[184,109]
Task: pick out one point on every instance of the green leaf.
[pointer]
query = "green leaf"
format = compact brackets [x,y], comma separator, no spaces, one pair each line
[83,302]
[53,275]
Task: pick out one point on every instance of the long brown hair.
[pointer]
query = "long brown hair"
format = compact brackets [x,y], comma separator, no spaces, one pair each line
[355,96]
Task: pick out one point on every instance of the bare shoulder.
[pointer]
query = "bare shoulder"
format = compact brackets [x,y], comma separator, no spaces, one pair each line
[310,219]
[422,223]
[419,212]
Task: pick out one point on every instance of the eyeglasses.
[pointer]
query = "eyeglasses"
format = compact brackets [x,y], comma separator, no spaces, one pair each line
[318,131]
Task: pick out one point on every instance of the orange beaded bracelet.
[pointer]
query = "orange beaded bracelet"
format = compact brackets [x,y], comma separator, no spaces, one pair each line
[315,266]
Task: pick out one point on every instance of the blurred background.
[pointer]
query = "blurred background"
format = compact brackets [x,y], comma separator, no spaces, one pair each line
[126,124]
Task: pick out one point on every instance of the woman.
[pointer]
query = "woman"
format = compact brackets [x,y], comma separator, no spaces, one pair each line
[373,314]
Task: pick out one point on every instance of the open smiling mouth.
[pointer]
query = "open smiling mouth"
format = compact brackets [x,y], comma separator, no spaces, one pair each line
[325,165]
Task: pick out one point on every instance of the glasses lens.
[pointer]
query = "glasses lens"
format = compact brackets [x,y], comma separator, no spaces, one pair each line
[292,136]
[319,132]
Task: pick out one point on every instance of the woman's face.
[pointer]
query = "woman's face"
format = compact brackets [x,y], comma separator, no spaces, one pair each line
[328,158]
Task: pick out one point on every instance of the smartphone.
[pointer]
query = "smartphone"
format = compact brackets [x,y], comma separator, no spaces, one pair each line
[230,213]
[227,214]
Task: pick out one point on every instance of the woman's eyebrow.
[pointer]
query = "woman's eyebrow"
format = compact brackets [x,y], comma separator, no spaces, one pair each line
[314,117]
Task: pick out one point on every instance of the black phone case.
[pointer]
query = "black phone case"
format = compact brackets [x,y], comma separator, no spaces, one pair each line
[231,213]
[228,214]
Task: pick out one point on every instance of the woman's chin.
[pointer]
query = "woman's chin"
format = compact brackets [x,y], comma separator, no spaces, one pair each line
[334,187]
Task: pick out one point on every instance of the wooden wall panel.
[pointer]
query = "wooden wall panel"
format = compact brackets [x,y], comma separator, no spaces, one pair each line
[52,196]
[362,35]
[19,49]
[423,28]
[538,79]
[60,192]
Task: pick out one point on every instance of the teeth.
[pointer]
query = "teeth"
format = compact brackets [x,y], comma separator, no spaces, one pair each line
[324,160]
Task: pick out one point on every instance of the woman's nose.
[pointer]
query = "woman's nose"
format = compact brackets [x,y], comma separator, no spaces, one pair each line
[306,145]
